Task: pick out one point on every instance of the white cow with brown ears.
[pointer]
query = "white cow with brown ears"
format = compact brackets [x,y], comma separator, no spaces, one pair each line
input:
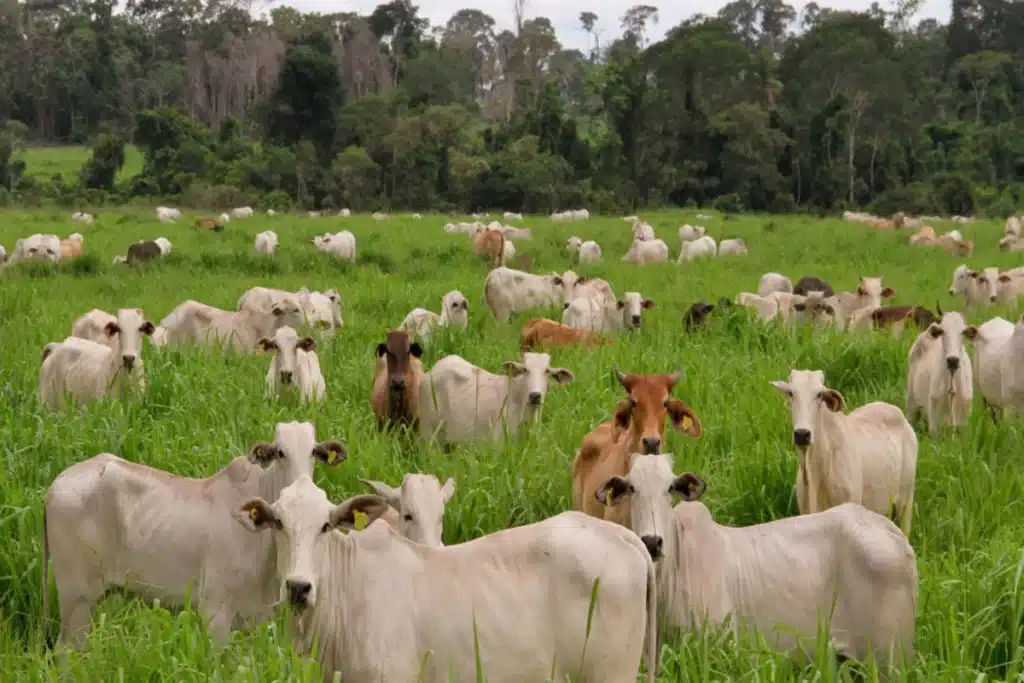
[940,379]
[416,508]
[295,364]
[868,456]
[787,579]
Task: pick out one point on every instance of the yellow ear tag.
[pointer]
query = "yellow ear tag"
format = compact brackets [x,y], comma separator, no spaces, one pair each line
[608,497]
[361,520]
[331,457]
[253,514]
[687,422]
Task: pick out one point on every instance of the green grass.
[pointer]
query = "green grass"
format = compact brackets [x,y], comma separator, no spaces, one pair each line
[199,413]
[44,162]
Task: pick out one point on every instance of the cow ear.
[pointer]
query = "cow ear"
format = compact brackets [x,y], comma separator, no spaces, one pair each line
[391,495]
[330,452]
[648,303]
[343,515]
[613,491]
[690,487]
[561,375]
[306,344]
[263,454]
[888,293]
[513,369]
[265,344]
[834,401]
[416,350]
[111,328]
[381,350]
[147,328]
[256,515]
[971,332]
[683,419]
[621,417]
[448,490]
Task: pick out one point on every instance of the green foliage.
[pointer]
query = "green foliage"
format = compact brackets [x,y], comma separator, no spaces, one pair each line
[106,162]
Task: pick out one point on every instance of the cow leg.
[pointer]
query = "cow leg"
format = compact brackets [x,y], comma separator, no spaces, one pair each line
[76,608]
[219,623]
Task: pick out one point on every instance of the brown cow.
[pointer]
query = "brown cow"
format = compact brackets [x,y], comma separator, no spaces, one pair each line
[637,426]
[545,332]
[208,224]
[143,251]
[71,248]
[490,243]
[926,236]
[897,318]
[396,384]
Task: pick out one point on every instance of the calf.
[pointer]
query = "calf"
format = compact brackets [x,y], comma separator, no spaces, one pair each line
[108,523]
[454,311]
[395,395]
[787,580]
[868,456]
[637,426]
[508,291]
[774,282]
[940,377]
[193,322]
[416,508]
[461,403]
[491,245]
[449,609]
[809,283]
[87,370]
[999,345]
[295,364]
[544,332]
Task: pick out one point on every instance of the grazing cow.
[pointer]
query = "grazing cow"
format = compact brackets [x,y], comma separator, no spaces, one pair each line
[732,247]
[416,508]
[786,579]
[999,345]
[954,243]
[647,251]
[491,245]
[809,283]
[242,212]
[512,604]
[71,248]
[940,377]
[544,332]
[295,364]
[642,231]
[1011,244]
[266,242]
[140,252]
[868,456]
[211,224]
[341,245]
[395,396]
[774,282]
[86,370]
[637,426]
[698,313]
[193,322]
[698,248]
[690,233]
[108,523]
[454,311]
[587,252]
[166,214]
[461,403]
[925,236]
[81,217]
[601,315]
[322,310]
[379,216]
[93,326]
[508,291]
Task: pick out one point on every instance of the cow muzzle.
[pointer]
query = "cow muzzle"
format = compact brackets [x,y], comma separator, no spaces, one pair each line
[128,362]
[654,545]
[535,398]
[802,437]
[636,321]
[286,377]
[398,383]
[651,445]
[299,591]
[953,363]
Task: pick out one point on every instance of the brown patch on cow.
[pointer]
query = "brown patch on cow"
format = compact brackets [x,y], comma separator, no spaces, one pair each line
[889,316]
[545,332]
[396,383]
[637,426]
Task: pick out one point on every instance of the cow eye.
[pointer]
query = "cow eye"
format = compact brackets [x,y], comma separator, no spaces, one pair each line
[325,528]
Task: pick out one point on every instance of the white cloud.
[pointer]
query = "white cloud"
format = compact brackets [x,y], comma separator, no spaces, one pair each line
[565,16]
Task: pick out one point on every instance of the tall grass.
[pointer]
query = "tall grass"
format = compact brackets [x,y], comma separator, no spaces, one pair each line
[203,409]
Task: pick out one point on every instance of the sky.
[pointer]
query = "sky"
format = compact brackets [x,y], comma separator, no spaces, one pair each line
[565,15]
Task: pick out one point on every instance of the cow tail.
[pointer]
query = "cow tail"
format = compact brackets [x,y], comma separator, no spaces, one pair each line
[652,619]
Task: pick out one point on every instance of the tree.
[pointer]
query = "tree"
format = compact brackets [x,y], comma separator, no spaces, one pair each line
[981,70]
[589,22]
[635,20]
[104,165]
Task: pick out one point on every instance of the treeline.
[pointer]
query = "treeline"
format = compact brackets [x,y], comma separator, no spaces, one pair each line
[757,108]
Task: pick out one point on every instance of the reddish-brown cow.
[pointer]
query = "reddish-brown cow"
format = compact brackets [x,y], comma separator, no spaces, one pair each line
[396,384]
[546,332]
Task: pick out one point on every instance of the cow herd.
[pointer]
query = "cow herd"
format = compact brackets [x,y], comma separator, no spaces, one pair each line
[588,593]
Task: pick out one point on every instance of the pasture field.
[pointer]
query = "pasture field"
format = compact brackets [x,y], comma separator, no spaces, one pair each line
[68,160]
[201,410]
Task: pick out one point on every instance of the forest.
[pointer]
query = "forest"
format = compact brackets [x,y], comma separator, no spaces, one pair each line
[757,108]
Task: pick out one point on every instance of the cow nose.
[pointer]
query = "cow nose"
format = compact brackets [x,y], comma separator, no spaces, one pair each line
[652,445]
[653,545]
[298,592]
[286,377]
[802,437]
[398,383]
[636,320]
[953,363]
[992,299]
[535,398]
[951,292]
[129,362]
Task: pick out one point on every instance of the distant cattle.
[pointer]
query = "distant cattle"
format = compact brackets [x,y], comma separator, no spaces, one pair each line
[211,224]
[242,212]
[649,251]
[71,248]
[166,214]
[699,248]
[193,322]
[266,242]
[491,245]
[732,247]
[341,245]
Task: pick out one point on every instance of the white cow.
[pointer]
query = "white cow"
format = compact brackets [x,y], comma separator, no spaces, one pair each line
[869,294]
[111,523]
[508,291]
[602,315]
[341,245]
[573,244]
[461,403]
[87,370]
[1010,285]
[322,310]
[586,252]
[732,247]
[976,287]
[868,456]
[509,604]
[416,508]
[271,212]
[813,308]
[295,364]
[36,248]
[3,255]
[647,251]
[574,286]
[93,326]
[345,213]
[689,233]
[164,244]
[774,282]
[999,345]
[698,248]
[784,579]
[509,216]
[454,311]
[266,242]
[242,212]
[81,217]
[193,322]
[224,218]
[642,232]
[166,214]
[940,376]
